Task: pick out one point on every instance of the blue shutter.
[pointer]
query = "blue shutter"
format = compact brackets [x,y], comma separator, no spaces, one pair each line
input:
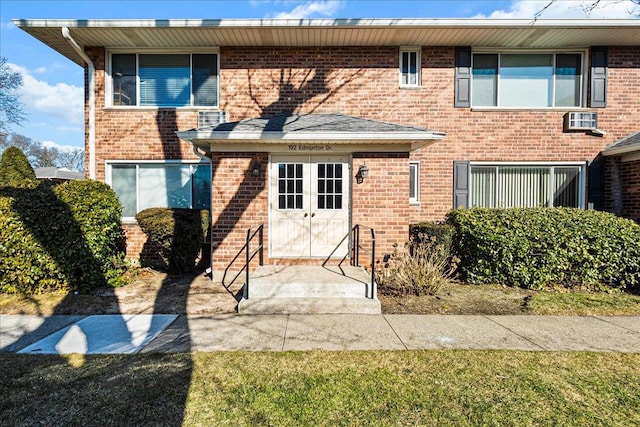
[460,184]
[463,77]
[599,77]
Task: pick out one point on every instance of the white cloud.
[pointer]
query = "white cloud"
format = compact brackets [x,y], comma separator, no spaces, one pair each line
[311,9]
[567,9]
[61,100]
[63,148]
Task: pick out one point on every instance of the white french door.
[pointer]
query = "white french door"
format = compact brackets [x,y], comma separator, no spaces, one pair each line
[309,202]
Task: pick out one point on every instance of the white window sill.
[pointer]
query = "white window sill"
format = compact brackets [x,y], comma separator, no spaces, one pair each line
[411,87]
[150,108]
[414,203]
[523,109]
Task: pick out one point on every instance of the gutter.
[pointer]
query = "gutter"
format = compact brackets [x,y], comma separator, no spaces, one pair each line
[92,101]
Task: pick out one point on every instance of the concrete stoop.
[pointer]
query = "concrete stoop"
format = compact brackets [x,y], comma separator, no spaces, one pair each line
[310,290]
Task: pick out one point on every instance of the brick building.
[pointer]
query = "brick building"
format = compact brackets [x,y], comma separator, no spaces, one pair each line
[310,127]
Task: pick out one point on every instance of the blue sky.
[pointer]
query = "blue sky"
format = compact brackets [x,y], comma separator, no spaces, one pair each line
[53,93]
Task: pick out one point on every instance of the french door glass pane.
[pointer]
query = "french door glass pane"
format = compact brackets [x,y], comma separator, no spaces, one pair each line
[123,182]
[568,68]
[329,186]
[485,80]
[165,80]
[526,80]
[290,186]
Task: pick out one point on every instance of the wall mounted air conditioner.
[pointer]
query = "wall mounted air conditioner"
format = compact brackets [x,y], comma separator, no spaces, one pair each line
[211,118]
[578,120]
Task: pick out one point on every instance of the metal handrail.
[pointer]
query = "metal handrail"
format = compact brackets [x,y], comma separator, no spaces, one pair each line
[355,256]
[248,258]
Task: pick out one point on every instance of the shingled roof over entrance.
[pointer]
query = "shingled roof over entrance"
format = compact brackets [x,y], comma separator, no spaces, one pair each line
[332,128]
[628,144]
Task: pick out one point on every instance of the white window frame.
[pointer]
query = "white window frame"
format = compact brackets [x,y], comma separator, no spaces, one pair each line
[416,182]
[418,52]
[583,77]
[582,175]
[137,163]
[108,93]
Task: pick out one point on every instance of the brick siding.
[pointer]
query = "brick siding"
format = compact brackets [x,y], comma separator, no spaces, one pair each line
[361,82]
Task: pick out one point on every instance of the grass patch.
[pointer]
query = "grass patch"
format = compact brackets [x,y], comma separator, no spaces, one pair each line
[324,388]
[584,304]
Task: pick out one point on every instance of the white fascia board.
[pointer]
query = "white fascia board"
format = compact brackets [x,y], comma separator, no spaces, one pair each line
[343,23]
[622,150]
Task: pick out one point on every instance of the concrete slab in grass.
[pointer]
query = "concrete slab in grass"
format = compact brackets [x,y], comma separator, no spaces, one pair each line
[572,333]
[232,332]
[18,332]
[455,332]
[340,332]
[103,334]
[627,322]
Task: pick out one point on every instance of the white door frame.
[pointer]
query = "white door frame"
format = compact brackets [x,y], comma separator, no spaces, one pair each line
[301,220]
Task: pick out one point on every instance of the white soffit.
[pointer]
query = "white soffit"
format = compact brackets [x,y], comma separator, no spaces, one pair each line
[198,33]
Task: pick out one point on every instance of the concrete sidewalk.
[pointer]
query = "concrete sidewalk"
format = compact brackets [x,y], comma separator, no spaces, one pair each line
[284,332]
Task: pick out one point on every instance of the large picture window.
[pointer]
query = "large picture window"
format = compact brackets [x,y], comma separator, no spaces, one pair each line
[536,80]
[511,186]
[168,185]
[164,80]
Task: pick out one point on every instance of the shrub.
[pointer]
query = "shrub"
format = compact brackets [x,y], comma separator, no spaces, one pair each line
[177,233]
[15,170]
[416,268]
[67,237]
[537,247]
[440,234]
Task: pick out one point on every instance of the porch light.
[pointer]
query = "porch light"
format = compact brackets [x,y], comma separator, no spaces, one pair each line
[255,170]
[363,171]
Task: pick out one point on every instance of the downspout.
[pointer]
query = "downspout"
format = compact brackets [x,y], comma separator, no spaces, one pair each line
[92,101]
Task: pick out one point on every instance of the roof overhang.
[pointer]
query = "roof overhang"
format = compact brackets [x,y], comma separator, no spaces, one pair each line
[200,33]
[628,148]
[310,133]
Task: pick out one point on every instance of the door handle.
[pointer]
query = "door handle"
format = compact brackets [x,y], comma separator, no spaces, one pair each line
[313,214]
[306,214]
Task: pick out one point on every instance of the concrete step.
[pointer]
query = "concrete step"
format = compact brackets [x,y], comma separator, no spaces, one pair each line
[309,289]
[309,305]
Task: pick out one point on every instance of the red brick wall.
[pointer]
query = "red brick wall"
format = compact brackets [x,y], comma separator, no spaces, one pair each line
[381,201]
[630,174]
[623,187]
[362,82]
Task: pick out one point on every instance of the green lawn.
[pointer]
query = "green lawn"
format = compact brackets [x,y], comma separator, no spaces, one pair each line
[323,388]
[584,304]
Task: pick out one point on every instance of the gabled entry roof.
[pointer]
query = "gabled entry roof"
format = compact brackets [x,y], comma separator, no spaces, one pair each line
[311,132]
[626,145]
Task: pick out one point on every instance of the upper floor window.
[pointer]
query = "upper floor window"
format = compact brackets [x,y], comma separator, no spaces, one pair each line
[533,80]
[165,80]
[410,67]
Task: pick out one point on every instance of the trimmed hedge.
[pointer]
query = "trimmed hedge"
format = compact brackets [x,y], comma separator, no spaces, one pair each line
[67,237]
[15,170]
[177,233]
[439,234]
[535,247]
